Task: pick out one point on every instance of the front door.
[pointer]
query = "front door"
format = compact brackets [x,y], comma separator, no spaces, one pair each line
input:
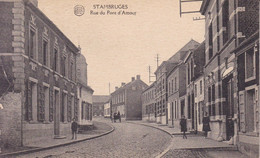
[56,113]
[230,108]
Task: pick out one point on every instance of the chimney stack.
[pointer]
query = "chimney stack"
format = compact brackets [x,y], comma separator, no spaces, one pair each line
[138,77]
[116,88]
[133,78]
[122,84]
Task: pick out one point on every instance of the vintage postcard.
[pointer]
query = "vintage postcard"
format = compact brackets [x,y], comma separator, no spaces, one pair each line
[129,78]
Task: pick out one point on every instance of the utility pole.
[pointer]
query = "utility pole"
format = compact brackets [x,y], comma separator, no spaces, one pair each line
[157,60]
[109,88]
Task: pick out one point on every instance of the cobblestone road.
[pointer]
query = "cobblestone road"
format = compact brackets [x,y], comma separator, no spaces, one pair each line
[127,141]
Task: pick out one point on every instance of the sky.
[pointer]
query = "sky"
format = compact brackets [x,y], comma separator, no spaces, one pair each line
[119,47]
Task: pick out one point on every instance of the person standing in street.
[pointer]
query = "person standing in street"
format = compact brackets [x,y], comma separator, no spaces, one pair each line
[183,124]
[74,129]
[206,126]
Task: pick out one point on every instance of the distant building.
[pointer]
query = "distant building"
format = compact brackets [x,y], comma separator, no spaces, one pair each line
[148,104]
[127,99]
[107,110]
[85,104]
[98,104]
[38,79]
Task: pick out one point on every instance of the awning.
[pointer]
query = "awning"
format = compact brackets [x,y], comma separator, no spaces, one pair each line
[227,72]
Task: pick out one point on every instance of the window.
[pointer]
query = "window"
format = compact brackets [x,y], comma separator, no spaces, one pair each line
[63,65]
[189,105]
[213,99]
[188,73]
[195,89]
[201,87]
[55,62]
[45,52]
[71,70]
[175,84]
[46,101]
[209,100]
[191,69]
[82,110]
[210,32]
[250,64]
[32,43]
[225,21]
[63,107]
[169,88]
[31,101]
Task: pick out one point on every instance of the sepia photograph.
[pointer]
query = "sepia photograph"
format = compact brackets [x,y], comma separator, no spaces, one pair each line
[129,78]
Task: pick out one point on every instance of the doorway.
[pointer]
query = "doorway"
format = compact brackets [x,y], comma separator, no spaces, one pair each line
[250,108]
[228,91]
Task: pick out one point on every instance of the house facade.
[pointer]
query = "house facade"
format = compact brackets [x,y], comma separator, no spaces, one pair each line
[85,93]
[148,104]
[176,95]
[194,63]
[107,110]
[230,72]
[127,99]
[38,64]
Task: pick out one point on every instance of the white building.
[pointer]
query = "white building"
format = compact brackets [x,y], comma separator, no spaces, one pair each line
[107,110]
[85,103]
[199,101]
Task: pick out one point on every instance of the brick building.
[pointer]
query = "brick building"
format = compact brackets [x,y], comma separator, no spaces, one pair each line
[194,63]
[127,99]
[98,104]
[38,64]
[161,83]
[230,85]
[85,104]
[176,95]
[247,70]
[148,104]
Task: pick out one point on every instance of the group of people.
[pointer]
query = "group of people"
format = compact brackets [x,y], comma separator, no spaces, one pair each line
[205,128]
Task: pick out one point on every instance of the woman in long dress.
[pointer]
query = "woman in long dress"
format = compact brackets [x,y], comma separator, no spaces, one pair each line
[206,126]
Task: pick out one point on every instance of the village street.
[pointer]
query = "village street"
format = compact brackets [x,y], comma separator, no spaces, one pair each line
[128,140]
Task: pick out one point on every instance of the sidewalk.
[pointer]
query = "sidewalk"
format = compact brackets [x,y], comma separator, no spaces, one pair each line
[210,147]
[48,143]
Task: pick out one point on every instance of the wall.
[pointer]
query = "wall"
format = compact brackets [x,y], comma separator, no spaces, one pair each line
[10,120]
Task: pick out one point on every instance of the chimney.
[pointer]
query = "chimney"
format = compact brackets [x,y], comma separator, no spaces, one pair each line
[116,88]
[138,77]
[122,84]
[34,2]
[133,78]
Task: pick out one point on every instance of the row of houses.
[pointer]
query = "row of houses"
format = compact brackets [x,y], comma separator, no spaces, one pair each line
[219,76]
[43,77]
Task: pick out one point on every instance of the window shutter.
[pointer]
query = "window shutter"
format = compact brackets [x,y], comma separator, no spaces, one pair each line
[40,106]
[29,102]
[242,111]
[76,109]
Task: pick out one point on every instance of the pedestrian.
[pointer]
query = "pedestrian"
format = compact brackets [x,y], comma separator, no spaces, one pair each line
[118,115]
[183,124]
[74,128]
[206,126]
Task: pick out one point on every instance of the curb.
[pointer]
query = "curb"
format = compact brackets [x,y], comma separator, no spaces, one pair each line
[151,127]
[54,146]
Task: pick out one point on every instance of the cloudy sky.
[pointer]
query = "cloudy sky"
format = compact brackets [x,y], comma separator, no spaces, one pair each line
[118,47]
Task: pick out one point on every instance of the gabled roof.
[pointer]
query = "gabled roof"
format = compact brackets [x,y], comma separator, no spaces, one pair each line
[128,85]
[180,55]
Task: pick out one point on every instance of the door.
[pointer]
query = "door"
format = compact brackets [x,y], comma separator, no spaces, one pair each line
[56,113]
[192,111]
[230,108]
